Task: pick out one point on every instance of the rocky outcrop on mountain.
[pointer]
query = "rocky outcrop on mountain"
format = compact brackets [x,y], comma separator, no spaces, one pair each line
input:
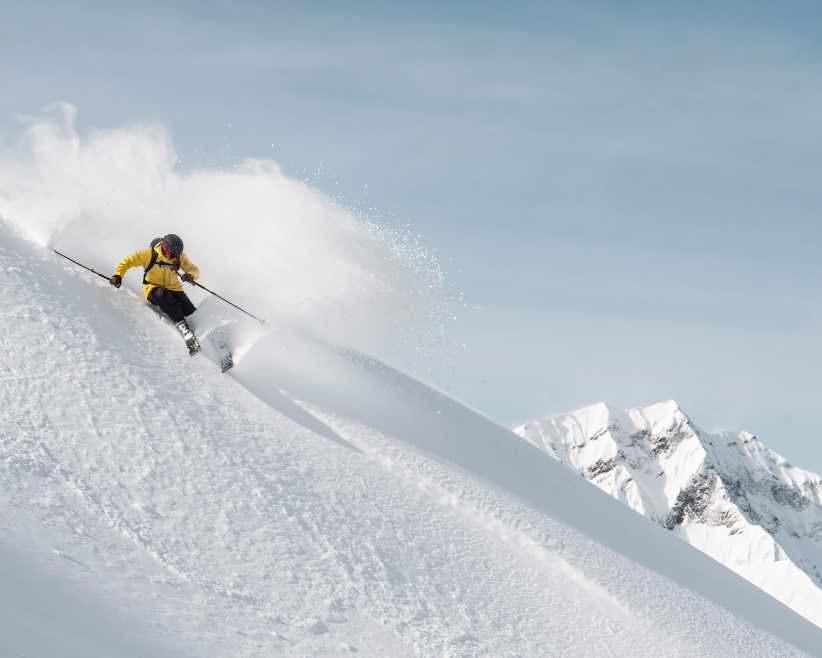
[727,494]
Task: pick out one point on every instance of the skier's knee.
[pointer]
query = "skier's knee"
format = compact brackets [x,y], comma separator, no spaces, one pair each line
[156,295]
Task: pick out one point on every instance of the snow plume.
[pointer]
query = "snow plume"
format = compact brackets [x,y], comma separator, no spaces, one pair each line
[259,237]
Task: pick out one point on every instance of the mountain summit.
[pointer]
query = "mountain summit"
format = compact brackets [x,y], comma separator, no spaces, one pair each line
[726,494]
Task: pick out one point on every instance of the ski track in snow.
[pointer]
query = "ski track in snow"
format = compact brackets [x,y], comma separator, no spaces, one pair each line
[167,489]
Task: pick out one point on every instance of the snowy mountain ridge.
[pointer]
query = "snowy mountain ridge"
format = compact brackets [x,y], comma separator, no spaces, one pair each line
[726,494]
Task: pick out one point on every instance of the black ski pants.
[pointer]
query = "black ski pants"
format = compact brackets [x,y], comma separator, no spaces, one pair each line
[175,304]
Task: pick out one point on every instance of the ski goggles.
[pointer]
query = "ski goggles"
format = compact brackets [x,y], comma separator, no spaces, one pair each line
[168,253]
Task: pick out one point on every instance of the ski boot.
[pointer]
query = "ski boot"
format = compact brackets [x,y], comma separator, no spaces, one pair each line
[192,343]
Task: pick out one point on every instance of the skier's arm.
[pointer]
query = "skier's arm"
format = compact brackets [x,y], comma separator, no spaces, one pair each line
[141,258]
[189,268]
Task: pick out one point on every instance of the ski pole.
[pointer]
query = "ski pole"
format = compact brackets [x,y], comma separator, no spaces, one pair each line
[85,267]
[199,285]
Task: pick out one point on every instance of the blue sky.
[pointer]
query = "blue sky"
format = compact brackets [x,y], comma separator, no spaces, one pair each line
[627,193]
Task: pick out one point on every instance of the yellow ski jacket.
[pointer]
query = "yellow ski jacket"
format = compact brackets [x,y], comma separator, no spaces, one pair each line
[164,272]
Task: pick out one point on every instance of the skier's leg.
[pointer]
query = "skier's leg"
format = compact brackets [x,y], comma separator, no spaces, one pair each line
[180,306]
[186,306]
[173,308]
[167,302]
[155,295]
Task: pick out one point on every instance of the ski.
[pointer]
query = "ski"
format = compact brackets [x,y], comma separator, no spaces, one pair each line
[190,339]
[218,339]
[216,342]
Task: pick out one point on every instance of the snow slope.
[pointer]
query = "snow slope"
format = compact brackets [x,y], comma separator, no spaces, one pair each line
[319,503]
[726,494]
[45,613]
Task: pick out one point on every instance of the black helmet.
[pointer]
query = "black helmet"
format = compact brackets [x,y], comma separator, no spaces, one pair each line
[174,243]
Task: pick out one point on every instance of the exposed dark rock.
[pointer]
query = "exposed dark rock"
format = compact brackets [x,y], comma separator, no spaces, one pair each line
[601,466]
[660,445]
[692,501]
[733,487]
[772,525]
[665,443]
[785,495]
[810,488]
[726,518]
[599,434]
[640,438]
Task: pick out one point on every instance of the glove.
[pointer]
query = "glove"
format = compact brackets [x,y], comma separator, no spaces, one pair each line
[187,278]
[116,280]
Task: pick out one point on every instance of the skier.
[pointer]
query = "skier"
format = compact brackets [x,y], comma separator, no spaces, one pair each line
[161,261]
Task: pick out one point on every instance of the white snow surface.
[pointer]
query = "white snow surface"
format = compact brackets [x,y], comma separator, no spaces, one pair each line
[313,502]
[726,493]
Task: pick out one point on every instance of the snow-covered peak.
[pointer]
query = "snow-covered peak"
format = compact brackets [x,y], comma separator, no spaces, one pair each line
[725,493]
